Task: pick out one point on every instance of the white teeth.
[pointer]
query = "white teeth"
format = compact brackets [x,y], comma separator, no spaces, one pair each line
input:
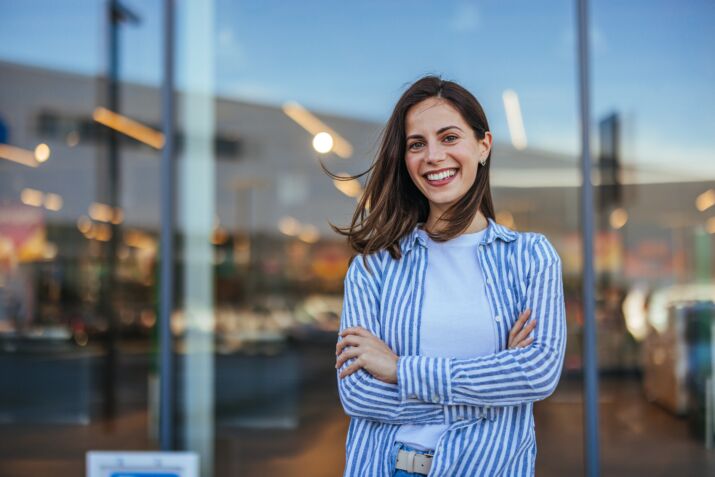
[441,175]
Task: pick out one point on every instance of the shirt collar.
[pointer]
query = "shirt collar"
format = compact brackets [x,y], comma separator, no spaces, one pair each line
[494,231]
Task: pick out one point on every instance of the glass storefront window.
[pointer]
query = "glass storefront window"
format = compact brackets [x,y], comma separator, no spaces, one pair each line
[77,232]
[287,74]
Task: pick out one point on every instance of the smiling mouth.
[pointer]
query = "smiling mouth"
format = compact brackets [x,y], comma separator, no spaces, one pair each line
[441,175]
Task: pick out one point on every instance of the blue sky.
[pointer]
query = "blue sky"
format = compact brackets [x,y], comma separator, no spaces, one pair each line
[653,61]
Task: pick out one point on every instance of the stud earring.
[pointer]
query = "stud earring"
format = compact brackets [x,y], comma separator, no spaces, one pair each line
[483,162]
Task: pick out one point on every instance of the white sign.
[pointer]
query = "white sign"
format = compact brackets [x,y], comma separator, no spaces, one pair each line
[142,464]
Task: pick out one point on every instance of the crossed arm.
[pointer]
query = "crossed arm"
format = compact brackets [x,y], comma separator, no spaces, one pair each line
[423,385]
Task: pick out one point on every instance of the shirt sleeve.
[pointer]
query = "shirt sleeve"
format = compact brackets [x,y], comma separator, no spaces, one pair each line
[361,394]
[509,377]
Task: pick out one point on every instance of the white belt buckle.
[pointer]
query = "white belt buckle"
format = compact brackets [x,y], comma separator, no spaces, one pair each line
[411,461]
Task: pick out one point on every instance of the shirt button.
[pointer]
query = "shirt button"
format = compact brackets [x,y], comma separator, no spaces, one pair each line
[435,399]
[460,418]
[497,318]
[489,281]
[413,396]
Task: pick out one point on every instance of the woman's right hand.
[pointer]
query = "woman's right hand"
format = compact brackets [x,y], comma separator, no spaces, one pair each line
[519,334]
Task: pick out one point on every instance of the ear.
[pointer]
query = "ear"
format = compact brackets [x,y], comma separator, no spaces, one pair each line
[485,145]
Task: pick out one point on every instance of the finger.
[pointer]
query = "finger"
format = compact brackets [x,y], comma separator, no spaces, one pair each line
[521,344]
[350,340]
[526,342]
[355,330]
[525,331]
[520,322]
[524,316]
[350,370]
[516,337]
[348,354]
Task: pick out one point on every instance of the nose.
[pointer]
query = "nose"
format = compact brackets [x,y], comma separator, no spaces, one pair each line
[435,153]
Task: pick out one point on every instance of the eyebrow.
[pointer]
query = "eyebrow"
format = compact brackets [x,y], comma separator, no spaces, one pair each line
[440,131]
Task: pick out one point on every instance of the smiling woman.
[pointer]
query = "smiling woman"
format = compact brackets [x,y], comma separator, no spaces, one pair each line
[439,155]
[439,357]
[435,125]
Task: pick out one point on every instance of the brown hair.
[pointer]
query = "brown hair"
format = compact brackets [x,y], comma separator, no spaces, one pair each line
[391,205]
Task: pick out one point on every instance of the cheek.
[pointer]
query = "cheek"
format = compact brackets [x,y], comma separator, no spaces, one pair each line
[412,169]
[469,172]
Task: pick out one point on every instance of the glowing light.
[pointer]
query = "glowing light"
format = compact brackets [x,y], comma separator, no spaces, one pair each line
[514,119]
[100,212]
[32,197]
[103,232]
[147,318]
[351,188]
[117,216]
[323,142]
[710,225]
[309,234]
[42,152]
[49,252]
[140,240]
[81,338]
[705,200]
[53,202]
[289,226]
[123,252]
[634,306]
[129,127]
[219,236]
[84,224]
[315,126]
[37,198]
[72,138]
[6,246]
[18,155]
[662,299]
[618,218]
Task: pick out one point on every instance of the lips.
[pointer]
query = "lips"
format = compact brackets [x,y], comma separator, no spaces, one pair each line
[441,177]
[439,174]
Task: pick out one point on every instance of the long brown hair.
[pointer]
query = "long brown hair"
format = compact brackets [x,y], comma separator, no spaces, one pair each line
[391,205]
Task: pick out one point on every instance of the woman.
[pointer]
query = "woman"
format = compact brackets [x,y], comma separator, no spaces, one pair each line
[438,363]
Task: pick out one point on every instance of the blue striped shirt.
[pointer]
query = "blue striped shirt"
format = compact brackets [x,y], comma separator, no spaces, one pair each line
[487,401]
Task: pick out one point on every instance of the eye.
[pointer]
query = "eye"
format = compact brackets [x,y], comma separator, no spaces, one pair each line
[415,145]
[451,138]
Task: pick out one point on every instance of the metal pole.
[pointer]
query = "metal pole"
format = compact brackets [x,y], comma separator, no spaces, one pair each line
[590,359]
[108,181]
[166,302]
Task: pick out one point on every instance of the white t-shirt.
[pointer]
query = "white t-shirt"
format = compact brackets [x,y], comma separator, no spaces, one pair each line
[456,318]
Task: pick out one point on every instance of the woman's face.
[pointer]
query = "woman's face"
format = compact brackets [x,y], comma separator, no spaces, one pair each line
[442,152]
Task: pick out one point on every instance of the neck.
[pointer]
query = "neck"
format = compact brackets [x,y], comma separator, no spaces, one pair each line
[479,222]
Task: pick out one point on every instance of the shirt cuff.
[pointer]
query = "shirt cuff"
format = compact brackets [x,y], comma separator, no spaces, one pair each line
[424,378]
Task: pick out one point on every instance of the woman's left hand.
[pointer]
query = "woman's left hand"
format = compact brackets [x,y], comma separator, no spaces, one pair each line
[369,352]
